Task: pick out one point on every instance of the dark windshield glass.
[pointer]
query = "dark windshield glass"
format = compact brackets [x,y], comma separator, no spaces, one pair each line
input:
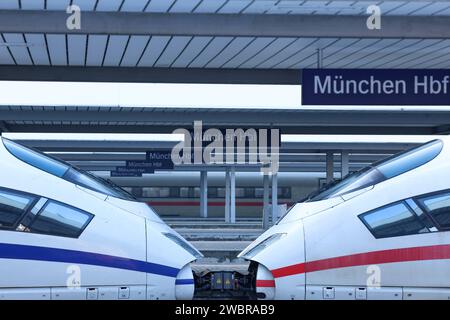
[358,180]
[380,171]
[36,158]
[406,161]
[90,181]
[64,170]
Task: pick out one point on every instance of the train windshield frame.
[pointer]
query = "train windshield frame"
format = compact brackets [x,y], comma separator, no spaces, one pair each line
[65,171]
[380,171]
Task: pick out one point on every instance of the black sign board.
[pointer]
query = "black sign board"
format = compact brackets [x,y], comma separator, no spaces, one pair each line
[155,160]
[149,167]
[409,87]
[115,174]
[132,170]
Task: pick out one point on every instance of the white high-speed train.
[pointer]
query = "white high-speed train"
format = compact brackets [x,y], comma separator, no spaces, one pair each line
[65,234]
[381,233]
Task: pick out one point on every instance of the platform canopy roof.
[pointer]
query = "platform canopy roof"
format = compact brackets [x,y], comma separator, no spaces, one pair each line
[166,120]
[215,41]
[296,154]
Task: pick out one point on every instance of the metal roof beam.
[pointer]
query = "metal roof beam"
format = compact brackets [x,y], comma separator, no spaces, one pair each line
[229,118]
[91,145]
[296,168]
[256,25]
[142,146]
[283,157]
[150,75]
[299,129]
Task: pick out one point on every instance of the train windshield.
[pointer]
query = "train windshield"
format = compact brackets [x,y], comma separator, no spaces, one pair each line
[380,171]
[90,181]
[65,171]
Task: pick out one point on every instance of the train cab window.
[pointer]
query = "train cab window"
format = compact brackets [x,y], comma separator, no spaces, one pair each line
[392,221]
[380,171]
[60,220]
[88,180]
[421,214]
[12,207]
[36,159]
[65,171]
[410,159]
[438,207]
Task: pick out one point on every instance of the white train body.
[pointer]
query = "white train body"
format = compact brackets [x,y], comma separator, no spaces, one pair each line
[65,240]
[383,239]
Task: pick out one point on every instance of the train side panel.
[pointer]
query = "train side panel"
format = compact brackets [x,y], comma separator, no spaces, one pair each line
[341,251]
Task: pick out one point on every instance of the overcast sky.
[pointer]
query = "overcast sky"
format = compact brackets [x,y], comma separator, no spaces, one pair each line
[149,94]
[164,95]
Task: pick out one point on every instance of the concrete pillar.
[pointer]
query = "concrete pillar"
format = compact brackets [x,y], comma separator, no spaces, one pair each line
[330,167]
[274,197]
[266,201]
[204,194]
[233,195]
[344,163]
[227,194]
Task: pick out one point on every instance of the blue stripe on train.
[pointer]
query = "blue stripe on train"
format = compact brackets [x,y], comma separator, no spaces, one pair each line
[16,251]
[184,281]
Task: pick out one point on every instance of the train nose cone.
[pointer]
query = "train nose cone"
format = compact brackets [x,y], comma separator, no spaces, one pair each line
[184,284]
[265,284]
[280,254]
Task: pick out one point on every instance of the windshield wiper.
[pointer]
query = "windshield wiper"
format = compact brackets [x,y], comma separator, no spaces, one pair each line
[324,188]
[104,181]
[334,182]
[117,188]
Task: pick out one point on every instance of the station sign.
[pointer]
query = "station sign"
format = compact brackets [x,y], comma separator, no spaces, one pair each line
[161,159]
[155,160]
[395,87]
[131,170]
[116,174]
[229,144]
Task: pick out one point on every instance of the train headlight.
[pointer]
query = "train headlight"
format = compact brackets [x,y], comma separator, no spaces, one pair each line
[182,243]
[262,245]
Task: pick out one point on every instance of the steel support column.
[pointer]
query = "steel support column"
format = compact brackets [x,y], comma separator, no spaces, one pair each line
[203,194]
[232,195]
[266,201]
[274,198]
[330,167]
[344,163]
[227,194]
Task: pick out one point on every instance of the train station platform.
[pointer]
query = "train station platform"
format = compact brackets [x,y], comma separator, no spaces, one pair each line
[215,238]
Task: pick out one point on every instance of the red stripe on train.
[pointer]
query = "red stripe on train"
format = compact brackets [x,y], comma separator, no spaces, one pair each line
[289,270]
[265,283]
[375,257]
